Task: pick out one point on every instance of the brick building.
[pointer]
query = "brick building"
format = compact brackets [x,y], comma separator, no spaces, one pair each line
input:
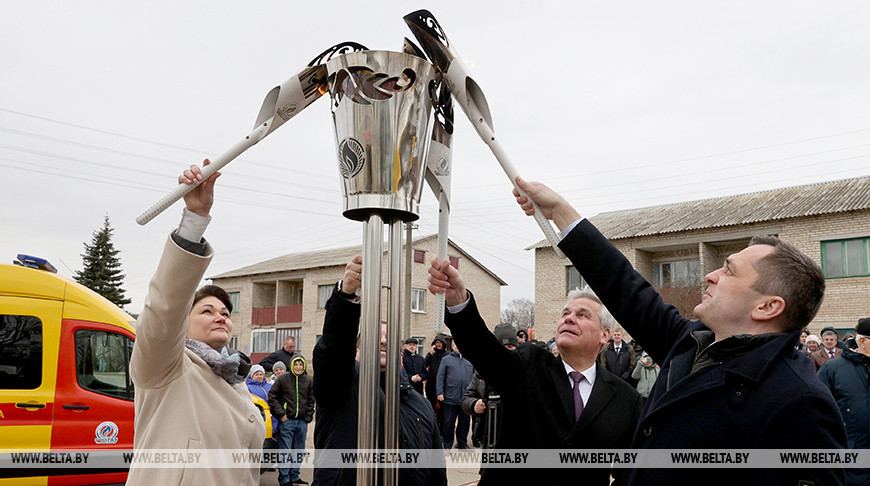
[285,296]
[675,245]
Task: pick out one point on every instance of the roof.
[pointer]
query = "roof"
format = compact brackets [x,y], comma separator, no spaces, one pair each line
[756,207]
[328,258]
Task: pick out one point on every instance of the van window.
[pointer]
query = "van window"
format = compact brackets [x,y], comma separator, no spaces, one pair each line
[103,362]
[20,352]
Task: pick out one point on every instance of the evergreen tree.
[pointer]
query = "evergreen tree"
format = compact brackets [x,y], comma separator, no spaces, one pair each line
[102,268]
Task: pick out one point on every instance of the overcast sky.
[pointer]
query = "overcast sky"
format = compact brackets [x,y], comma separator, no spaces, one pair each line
[617,105]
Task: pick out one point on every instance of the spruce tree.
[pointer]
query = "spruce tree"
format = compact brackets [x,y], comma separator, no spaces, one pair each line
[102,268]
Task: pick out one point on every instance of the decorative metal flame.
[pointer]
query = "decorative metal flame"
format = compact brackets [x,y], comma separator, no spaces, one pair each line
[352,157]
[364,86]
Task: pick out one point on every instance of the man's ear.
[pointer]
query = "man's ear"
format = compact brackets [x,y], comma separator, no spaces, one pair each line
[605,335]
[769,307]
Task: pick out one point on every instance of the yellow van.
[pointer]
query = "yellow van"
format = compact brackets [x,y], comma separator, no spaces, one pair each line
[64,374]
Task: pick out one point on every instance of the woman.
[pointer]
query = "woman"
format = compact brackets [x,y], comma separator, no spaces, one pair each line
[645,372]
[190,388]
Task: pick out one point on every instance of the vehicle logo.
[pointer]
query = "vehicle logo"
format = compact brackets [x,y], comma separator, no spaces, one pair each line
[107,433]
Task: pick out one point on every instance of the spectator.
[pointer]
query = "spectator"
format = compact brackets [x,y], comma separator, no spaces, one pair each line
[522,336]
[336,390]
[645,373]
[414,365]
[802,344]
[731,380]
[432,363]
[848,381]
[829,348]
[285,354]
[482,402]
[256,382]
[278,369]
[569,402]
[291,400]
[454,375]
[190,390]
[618,357]
[813,344]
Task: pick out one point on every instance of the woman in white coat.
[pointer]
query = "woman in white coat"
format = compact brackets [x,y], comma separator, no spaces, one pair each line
[190,388]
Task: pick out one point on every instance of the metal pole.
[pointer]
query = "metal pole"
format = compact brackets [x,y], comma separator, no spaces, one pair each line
[391,385]
[409,252]
[369,412]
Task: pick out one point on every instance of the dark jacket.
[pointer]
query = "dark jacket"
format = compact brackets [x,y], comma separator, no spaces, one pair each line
[293,395]
[432,362]
[479,390]
[414,364]
[621,364]
[849,381]
[336,389]
[538,405]
[279,355]
[767,398]
[454,375]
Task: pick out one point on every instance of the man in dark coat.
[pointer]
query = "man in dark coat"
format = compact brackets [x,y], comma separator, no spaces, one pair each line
[619,358]
[732,380]
[849,382]
[549,402]
[336,390]
[432,363]
[285,354]
[454,375]
[414,365]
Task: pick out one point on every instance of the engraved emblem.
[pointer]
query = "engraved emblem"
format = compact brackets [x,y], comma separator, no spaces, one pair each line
[351,157]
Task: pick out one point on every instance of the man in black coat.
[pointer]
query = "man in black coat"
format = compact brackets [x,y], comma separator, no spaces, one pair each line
[336,390]
[549,402]
[618,357]
[432,363]
[285,354]
[414,365]
[732,380]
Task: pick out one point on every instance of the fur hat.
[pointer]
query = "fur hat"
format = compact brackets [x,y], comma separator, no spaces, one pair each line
[506,334]
[863,327]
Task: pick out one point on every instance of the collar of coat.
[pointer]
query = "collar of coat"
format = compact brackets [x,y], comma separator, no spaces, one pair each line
[744,355]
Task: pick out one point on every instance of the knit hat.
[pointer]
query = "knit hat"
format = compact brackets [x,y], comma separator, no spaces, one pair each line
[814,338]
[279,365]
[255,369]
[506,334]
[863,327]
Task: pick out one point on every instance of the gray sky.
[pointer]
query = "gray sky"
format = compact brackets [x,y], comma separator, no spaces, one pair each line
[615,104]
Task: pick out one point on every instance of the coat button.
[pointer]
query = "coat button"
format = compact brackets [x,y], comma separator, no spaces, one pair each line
[251,418]
[647,431]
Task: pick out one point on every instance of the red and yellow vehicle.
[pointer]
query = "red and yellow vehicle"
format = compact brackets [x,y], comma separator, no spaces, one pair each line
[64,373]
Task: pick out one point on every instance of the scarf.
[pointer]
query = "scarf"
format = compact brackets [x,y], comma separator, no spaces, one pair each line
[231,367]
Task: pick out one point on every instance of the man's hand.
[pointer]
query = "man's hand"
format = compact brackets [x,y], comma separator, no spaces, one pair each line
[199,200]
[552,205]
[416,379]
[440,398]
[284,418]
[443,278]
[479,406]
[352,275]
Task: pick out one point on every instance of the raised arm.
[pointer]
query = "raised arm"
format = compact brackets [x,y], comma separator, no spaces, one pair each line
[162,325]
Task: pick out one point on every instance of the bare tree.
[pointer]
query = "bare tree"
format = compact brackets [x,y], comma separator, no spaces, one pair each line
[520,313]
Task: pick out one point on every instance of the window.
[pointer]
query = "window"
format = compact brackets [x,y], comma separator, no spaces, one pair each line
[454,262]
[573,279]
[419,256]
[20,352]
[234,342]
[675,274]
[103,362]
[418,300]
[323,294]
[234,300]
[846,258]
[263,341]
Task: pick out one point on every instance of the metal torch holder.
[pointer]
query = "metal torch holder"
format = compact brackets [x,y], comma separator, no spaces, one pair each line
[381,111]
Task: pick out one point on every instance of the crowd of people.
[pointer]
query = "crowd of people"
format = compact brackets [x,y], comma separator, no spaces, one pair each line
[742,376]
